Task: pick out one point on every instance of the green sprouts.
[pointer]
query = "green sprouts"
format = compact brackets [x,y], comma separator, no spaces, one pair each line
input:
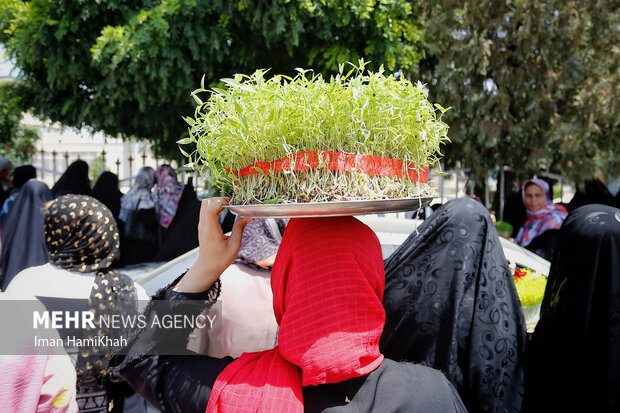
[257,118]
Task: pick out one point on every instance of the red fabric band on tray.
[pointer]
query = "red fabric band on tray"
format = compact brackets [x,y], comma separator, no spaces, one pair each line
[338,161]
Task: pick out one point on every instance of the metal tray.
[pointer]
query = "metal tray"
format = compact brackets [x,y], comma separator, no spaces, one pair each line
[329,209]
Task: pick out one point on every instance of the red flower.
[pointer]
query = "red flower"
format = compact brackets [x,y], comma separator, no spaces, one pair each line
[519,273]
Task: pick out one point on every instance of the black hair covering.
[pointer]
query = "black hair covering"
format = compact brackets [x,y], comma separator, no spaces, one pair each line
[23,174]
[23,242]
[74,181]
[574,355]
[106,191]
[451,304]
[81,235]
[514,212]
[595,192]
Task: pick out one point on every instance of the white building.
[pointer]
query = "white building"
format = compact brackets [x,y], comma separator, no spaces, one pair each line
[60,146]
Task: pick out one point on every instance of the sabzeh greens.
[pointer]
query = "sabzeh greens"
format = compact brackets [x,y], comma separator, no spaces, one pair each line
[258,118]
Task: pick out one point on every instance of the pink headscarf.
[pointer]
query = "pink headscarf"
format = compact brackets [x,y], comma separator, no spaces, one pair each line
[37,383]
[548,217]
[32,380]
[167,195]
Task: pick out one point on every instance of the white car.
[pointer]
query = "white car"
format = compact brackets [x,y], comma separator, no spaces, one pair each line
[392,232]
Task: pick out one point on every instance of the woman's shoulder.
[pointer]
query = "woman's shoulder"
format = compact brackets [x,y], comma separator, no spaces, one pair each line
[391,387]
[426,375]
[52,281]
[241,271]
[27,278]
[423,386]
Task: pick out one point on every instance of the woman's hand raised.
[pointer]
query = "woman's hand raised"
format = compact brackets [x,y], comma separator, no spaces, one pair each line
[216,252]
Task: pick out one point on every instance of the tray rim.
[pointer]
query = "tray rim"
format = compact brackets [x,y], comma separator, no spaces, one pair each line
[288,209]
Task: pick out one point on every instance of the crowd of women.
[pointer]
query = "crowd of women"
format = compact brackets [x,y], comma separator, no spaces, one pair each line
[314,320]
[62,245]
[358,334]
[157,218]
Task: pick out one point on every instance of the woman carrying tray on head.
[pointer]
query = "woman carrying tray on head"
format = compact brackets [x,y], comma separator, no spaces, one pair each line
[328,283]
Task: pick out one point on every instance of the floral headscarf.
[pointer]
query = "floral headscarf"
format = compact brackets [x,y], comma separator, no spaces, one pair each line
[138,197]
[261,239]
[167,195]
[548,217]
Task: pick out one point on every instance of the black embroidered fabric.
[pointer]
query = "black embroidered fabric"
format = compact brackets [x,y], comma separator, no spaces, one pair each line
[142,343]
[574,355]
[176,382]
[451,304]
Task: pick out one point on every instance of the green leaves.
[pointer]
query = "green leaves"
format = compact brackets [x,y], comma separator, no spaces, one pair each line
[126,67]
[531,84]
[185,141]
[236,84]
[16,140]
[258,119]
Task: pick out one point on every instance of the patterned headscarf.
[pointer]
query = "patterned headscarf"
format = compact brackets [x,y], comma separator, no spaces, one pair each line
[548,217]
[167,195]
[138,197]
[81,235]
[261,239]
[451,304]
[542,184]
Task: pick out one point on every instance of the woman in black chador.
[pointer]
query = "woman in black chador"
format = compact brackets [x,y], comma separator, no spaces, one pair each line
[74,181]
[106,191]
[23,239]
[451,304]
[574,355]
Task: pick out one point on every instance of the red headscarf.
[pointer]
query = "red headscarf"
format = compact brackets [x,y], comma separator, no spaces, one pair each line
[327,282]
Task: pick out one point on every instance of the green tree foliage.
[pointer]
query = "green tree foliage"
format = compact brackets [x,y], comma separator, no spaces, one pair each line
[127,67]
[532,84]
[16,141]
